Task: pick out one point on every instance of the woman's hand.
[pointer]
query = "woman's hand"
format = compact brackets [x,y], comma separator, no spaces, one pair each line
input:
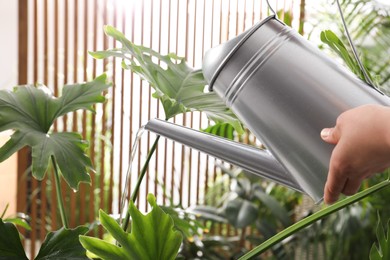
[362,139]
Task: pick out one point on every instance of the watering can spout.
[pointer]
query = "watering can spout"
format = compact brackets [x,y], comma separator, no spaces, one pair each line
[250,159]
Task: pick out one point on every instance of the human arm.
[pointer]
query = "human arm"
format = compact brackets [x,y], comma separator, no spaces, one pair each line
[362,148]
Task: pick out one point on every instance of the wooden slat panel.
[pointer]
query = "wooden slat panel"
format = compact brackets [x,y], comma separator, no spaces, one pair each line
[23,155]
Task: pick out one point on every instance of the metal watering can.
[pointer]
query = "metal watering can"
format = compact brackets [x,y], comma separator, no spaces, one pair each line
[285,91]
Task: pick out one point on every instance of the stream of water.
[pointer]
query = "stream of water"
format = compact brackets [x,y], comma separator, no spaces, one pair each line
[133,151]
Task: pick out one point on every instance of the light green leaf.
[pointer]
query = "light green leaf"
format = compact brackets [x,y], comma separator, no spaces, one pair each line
[31,111]
[18,222]
[221,129]
[10,245]
[381,250]
[152,236]
[241,212]
[63,244]
[330,38]
[179,87]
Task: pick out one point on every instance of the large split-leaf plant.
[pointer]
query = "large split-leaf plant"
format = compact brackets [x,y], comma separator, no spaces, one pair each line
[30,112]
[179,87]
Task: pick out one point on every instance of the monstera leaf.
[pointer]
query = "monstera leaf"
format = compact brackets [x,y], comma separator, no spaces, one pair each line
[152,236]
[179,87]
[31,111]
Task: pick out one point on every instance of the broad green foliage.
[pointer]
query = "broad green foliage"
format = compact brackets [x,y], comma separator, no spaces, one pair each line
[31,111]
[152,236]
[179,87]
[381,250]
[61,244]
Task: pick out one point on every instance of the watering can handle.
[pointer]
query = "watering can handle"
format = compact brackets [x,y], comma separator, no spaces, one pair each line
[248,158]
[272,10]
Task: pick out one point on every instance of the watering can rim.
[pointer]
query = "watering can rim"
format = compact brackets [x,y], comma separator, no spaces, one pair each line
[244,37]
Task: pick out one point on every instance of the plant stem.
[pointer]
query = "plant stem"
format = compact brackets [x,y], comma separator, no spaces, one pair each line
[5,210]
[313,218]
[134,195]
[59,193]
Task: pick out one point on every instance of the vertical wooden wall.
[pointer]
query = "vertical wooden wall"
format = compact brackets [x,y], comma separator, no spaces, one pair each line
[54,39]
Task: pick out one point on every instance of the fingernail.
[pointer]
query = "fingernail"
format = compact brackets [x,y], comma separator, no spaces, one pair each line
[325,132]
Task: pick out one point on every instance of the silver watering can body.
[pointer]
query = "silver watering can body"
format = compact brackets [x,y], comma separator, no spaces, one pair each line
[285,91]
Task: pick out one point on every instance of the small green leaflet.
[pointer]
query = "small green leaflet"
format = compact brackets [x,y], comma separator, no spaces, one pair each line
[31,111]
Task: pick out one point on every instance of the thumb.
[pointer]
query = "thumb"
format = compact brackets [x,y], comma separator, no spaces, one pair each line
[330,135]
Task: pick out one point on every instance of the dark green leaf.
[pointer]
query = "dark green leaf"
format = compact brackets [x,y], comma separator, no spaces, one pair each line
[207,213]
[240,212]
[152,236]
[31,111]
[10,245]
[273,205]
[179,87]
[63,244]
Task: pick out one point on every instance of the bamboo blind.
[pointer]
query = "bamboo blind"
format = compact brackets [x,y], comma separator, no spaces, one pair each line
[54,39]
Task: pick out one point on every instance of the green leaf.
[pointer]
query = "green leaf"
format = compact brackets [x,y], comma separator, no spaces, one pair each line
[187,225]
[10,245]
[286,15]
[221,129]
[330,38]
[31,111]
[152,236]
[205,212]
[241,212]
[18,222]
[313,218]
[179,87]
[382,249]
[273,205]
[63,244]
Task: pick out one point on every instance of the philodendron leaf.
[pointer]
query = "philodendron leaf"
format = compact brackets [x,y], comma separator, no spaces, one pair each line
[31,111]
[10,245]
[179,87]
[63,244]
[381,251]
[152,236]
